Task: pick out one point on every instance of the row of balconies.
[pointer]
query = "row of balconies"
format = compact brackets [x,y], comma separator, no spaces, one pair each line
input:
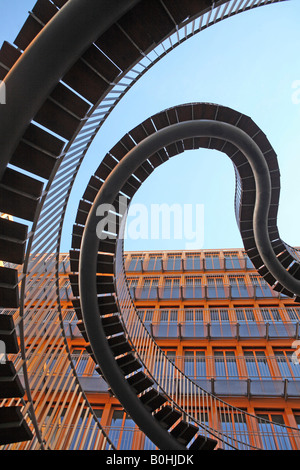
[217,330]
[269,376]
[197,263]
[213,330]
[200,323]
[188,292]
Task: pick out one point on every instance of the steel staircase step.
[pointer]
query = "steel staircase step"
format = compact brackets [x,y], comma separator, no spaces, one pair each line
[105,263]
[9,291]
[37,151]
[112,325]
[105,284]
[203,443]
[13,237]
[107,245]
[10,385]
[139,382]
[119,345]
[107,304]
[81,328]
[99,371]
[153,400]
[128,364]
[8,334]
[13,427]
[184,432]
[167,416]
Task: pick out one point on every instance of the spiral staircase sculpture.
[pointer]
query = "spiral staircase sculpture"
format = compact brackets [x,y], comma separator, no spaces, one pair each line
[71,91]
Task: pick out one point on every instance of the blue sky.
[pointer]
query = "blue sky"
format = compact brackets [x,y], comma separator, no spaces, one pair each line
[249,62]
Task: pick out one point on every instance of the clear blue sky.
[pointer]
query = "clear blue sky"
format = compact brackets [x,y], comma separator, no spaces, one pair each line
[250,63]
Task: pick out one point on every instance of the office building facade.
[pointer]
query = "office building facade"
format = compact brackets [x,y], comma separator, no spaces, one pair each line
[212,316]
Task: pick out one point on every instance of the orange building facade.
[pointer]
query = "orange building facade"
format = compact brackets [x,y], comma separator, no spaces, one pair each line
[219,322]
[213,317]
[224,328]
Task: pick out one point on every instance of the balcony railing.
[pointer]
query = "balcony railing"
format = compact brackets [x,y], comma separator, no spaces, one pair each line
[197,263]
[223,329]
[271,436]
[193,329]
[268,376]
[277,367]
[191,292]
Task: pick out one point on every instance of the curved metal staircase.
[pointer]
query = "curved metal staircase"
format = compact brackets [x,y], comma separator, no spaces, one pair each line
[155,380]
[47,133]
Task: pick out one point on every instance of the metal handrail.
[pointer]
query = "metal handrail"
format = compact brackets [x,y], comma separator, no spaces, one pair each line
[206,291]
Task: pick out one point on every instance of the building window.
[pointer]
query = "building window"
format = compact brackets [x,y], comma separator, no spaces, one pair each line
[171,288]
[219,315]
[132,284]
[192,262]
[293,313]
[169,315]
[245,314]
[168,323]
[285,364]
[273,434]
[232,261]
[193,288]
[215,287]
[261,288]
[154,263]
[195,364]
[146,315]
[80,359]
[234,426]
[193,323]
[247,323]
[249,264]
[174,263]
[149,288]
[135,263]
[65,289]
[270,314]
[194,315]
[121,430]
[84,430]
[225,364]
[163,368]
[219,325]
[257,364]
[297,419]
[238,287]
[212,261]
